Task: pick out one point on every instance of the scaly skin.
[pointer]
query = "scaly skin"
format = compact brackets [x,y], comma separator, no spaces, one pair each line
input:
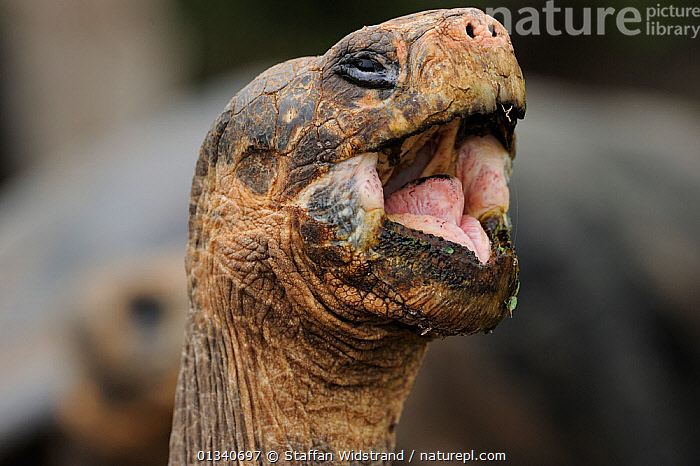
[307,324]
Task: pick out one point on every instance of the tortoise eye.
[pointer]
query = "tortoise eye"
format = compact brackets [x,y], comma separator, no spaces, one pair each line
[368,65]
[147,311]
[367,72]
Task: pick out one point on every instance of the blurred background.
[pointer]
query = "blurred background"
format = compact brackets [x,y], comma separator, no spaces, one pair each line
[104,106]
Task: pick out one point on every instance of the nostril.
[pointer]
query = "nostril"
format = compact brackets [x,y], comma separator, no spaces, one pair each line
[492,30]
[470,31]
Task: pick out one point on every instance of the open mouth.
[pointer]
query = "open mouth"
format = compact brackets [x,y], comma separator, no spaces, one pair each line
[425,215]
[450,181]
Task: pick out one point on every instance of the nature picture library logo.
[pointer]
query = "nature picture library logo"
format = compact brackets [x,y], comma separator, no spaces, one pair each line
[658,20]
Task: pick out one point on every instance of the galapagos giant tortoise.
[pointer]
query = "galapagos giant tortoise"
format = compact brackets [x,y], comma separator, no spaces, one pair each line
[346,210]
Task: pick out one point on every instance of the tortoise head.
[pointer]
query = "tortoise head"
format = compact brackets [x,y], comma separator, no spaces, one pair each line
[384,163]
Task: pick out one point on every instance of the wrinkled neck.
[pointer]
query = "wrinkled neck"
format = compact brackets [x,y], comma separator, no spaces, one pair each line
[265,374]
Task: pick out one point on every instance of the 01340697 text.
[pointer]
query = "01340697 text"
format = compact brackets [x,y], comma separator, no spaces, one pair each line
[225,455]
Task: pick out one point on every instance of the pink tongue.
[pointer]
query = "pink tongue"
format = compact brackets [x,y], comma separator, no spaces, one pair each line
[439,196]
[435,205]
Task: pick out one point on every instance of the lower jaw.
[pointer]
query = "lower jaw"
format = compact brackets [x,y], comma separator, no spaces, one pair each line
[445,290]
